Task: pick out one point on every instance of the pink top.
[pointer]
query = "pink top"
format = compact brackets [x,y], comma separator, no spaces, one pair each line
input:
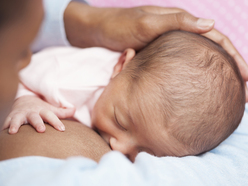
[69,77]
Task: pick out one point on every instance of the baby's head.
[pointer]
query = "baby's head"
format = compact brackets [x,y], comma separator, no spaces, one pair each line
[181,95]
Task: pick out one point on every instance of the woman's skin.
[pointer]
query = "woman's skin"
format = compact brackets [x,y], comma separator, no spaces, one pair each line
[15,38]
[77,140]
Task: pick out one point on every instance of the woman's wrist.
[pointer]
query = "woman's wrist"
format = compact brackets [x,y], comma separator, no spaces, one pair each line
[81,22]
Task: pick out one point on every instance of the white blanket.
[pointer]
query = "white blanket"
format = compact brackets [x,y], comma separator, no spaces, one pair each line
[225,165]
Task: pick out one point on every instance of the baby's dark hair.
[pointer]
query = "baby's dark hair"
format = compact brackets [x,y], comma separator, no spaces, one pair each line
[10,10]
[196,85]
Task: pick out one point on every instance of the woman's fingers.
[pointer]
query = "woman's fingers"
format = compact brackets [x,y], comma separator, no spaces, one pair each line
[160,10]
[179,21]
[225,42]
[246,93]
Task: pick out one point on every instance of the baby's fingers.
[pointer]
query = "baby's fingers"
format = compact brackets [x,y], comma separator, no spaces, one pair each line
[15,122]
[64,113]
[52,119]
[36,121]
[6,123]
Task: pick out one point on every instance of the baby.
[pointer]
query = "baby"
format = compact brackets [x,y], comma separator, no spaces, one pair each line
[181,95]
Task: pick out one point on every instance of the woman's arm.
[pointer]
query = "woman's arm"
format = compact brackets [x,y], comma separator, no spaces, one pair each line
[77,140]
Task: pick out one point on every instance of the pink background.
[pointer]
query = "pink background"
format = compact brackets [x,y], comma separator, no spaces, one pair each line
[231,16]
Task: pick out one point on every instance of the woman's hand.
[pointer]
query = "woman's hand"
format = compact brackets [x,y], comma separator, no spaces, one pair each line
[121,28]
[224,41]
[33,110]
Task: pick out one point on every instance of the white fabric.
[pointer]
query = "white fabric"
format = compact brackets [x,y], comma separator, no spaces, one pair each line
[52,31]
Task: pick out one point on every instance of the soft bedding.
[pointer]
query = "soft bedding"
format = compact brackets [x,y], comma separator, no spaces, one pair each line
[225,165]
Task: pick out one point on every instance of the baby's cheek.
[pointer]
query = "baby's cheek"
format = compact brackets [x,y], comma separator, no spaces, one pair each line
[97,120]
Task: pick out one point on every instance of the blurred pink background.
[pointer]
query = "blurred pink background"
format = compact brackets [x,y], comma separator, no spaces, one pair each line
[231,16]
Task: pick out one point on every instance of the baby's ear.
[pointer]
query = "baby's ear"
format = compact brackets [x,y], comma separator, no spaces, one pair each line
[124,59]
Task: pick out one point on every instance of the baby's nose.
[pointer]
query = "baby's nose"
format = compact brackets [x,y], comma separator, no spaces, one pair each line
[125,147]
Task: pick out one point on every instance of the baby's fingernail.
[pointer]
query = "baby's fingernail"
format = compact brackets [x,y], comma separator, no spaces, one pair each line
[205,23]
[12,130]
[62,128]
[40,128]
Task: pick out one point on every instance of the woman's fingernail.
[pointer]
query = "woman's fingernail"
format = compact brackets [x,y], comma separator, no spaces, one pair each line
[204,23]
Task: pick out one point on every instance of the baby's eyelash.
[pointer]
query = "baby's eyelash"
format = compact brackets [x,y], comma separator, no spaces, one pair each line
[118,122]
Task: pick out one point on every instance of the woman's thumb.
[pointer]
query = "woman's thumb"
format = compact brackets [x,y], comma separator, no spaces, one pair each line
[183,21]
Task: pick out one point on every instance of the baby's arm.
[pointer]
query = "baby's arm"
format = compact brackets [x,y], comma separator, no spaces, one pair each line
[33,110]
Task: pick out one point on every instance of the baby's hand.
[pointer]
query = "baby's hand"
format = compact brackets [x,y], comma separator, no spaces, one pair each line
[33,110]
